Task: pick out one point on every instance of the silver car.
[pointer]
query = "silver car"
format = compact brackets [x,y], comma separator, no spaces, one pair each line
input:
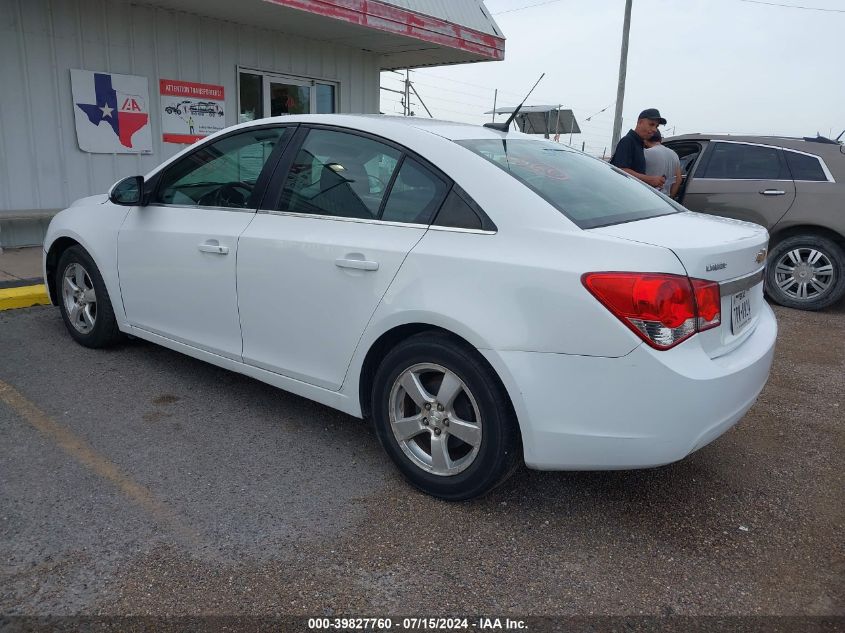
[794,187]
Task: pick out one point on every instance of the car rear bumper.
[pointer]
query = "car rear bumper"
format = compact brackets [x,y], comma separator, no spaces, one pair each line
[644,409]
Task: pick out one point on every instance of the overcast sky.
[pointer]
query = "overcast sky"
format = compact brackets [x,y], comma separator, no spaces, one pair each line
[708,65]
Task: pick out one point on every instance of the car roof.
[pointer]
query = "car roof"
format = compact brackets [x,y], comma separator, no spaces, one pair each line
[790,142]
[384,123]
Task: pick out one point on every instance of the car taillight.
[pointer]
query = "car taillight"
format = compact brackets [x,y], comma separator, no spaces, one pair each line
[708,301]
[661,309]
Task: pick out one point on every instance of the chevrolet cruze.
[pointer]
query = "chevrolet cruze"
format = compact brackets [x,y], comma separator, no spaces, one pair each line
[483,296]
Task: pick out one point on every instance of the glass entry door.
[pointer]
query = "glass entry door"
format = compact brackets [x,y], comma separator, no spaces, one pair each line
[263,94]
[286,96]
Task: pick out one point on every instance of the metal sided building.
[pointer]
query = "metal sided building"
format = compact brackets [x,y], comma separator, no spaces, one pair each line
[92,91]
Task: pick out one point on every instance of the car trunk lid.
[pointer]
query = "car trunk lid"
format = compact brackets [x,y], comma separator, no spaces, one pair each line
[727,251]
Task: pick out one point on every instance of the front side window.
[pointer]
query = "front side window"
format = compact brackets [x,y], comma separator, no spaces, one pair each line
[804,167]
[738,161]
[688,153]
[339,174]
[586,190]
[221,174]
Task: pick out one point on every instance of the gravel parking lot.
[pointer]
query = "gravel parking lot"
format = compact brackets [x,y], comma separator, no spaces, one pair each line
[140,481]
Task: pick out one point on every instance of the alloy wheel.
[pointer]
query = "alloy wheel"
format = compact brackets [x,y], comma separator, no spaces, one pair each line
[804,274]
[79,297]
[435,419]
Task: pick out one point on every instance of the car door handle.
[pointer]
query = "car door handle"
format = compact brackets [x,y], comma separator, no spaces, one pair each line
[358,264]
[773,192]
[213,246]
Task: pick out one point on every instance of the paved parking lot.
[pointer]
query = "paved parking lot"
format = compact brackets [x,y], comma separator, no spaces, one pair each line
[140,481]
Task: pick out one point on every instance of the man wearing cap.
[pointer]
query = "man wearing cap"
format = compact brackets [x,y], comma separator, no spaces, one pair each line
[662,161]
[629,155]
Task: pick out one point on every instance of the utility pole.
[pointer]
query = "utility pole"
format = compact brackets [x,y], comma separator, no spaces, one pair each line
[407,92]
[430,116]
[623,70]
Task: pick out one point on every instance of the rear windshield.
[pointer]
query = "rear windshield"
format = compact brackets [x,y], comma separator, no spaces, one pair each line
[587,190]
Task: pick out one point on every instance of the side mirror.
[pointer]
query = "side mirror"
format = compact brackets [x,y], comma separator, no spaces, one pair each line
[128,192]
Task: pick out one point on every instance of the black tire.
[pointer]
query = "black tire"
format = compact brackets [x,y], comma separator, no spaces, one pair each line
[786,290]
[104,331]
[498,452]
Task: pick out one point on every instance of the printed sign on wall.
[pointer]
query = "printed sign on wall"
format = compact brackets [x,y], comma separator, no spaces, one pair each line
[112,112]
[190,111]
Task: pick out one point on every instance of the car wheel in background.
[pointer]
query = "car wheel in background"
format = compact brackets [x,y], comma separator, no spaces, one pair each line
[84,301]
[806,272]
[444,418]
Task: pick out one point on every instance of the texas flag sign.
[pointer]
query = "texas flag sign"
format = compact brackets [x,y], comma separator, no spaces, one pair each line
[112,112]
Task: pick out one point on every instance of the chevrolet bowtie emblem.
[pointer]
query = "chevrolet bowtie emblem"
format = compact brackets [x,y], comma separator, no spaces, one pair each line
[761,256]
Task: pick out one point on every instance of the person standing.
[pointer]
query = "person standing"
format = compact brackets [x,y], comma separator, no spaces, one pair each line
[662,161]
[191,124]
[629,155]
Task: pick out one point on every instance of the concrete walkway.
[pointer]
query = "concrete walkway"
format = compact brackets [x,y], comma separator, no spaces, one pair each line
[20,267]
[21,281]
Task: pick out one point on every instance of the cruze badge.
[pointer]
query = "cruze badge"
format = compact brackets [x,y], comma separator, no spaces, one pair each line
[761,256]
[718,266]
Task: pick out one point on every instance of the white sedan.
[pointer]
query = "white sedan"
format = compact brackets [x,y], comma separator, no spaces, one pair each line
[483,296]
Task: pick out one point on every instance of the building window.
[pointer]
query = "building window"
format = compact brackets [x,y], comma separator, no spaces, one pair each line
[325,99]
[252,97]
[264,94]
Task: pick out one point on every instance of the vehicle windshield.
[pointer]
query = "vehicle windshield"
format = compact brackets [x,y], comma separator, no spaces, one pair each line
[587,190]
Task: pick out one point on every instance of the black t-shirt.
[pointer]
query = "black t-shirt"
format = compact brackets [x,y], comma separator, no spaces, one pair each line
[630,153]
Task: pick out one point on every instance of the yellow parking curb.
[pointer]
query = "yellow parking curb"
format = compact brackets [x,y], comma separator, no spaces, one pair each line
[24,297]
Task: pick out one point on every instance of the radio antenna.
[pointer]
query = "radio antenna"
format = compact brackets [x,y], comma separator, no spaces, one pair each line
[503,127]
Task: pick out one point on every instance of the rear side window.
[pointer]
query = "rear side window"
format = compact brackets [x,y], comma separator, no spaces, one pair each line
[339,174]
[588,191]
[688,153]
[415,195]
[804,167]
[457,213]
[737,161]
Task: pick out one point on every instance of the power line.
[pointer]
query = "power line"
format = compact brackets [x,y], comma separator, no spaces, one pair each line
[459,81]
[476,100]
[465,103]
[537,99]
[458,92]
[793,6]
[527,6]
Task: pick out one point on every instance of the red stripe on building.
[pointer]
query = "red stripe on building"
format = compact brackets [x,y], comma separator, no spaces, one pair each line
[385,17]
[184,139]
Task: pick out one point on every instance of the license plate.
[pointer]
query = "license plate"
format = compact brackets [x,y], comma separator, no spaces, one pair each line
[740,311]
